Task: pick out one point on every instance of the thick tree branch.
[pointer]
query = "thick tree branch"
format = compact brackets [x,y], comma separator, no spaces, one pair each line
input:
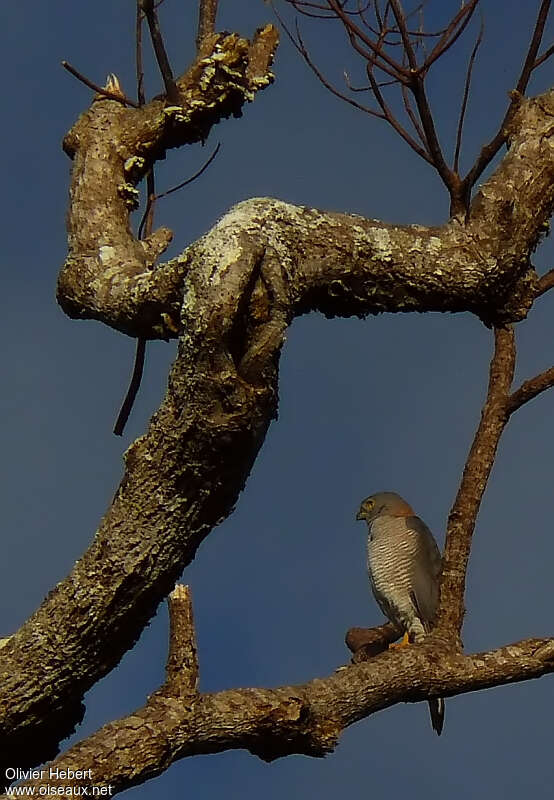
[345,264]
[182,478]
[107,272]
[272,723]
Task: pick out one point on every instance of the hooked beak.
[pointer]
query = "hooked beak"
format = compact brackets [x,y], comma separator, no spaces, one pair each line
[360,515]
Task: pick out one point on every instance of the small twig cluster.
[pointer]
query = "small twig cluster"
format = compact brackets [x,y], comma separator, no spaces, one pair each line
[398,52]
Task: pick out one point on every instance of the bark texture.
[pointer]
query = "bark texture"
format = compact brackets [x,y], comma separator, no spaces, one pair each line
[272,723]
[230,297]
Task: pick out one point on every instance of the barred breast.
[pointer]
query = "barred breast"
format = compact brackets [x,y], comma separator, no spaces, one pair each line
[391,550]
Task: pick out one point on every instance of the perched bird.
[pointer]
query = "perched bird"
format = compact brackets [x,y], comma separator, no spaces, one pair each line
[404,564]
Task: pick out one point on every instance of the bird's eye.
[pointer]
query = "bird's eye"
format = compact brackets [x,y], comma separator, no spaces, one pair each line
[369,504]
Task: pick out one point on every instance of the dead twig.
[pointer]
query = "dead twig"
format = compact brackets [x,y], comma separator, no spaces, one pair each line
[120,97]
[182,660]
[299,45]
[134,386]
[530,389]
[463,107]
[149,10]
[194,177]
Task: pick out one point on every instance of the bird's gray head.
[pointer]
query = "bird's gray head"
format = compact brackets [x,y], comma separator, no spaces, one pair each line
[381,504]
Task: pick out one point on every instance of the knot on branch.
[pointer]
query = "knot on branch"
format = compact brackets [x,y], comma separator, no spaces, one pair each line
[514,302]
[292,728]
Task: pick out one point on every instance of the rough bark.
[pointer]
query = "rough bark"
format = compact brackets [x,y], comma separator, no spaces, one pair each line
[272,723]
[108,271]
[230,297]
[339,264]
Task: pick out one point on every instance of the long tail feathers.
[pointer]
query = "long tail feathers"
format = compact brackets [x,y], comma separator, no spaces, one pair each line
[436,707]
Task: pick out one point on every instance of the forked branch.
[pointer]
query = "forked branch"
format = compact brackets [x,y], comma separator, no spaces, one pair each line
[391,49]
[499,405]
[149,10]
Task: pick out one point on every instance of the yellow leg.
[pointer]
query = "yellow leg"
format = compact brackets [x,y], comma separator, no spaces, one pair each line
[402,643]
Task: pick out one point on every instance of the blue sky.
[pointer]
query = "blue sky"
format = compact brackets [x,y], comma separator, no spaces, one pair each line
[386,403]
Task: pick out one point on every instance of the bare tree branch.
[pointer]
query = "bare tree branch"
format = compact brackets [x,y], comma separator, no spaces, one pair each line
[382,59]
[544,57]
[182,660]
[272,723]
[406,40]
[530,60]
[134,386]
[489,150]
[463,107]
[530,389]
[208,93]
[450,180]
[412,116]
[372,41]
[111,95]
[499,406]
[196,175]
[545,283]
[391,119]
[462,518]
[298,43]
[139,68]
[452,33]
[207,15]
[149,10]
[373,44]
